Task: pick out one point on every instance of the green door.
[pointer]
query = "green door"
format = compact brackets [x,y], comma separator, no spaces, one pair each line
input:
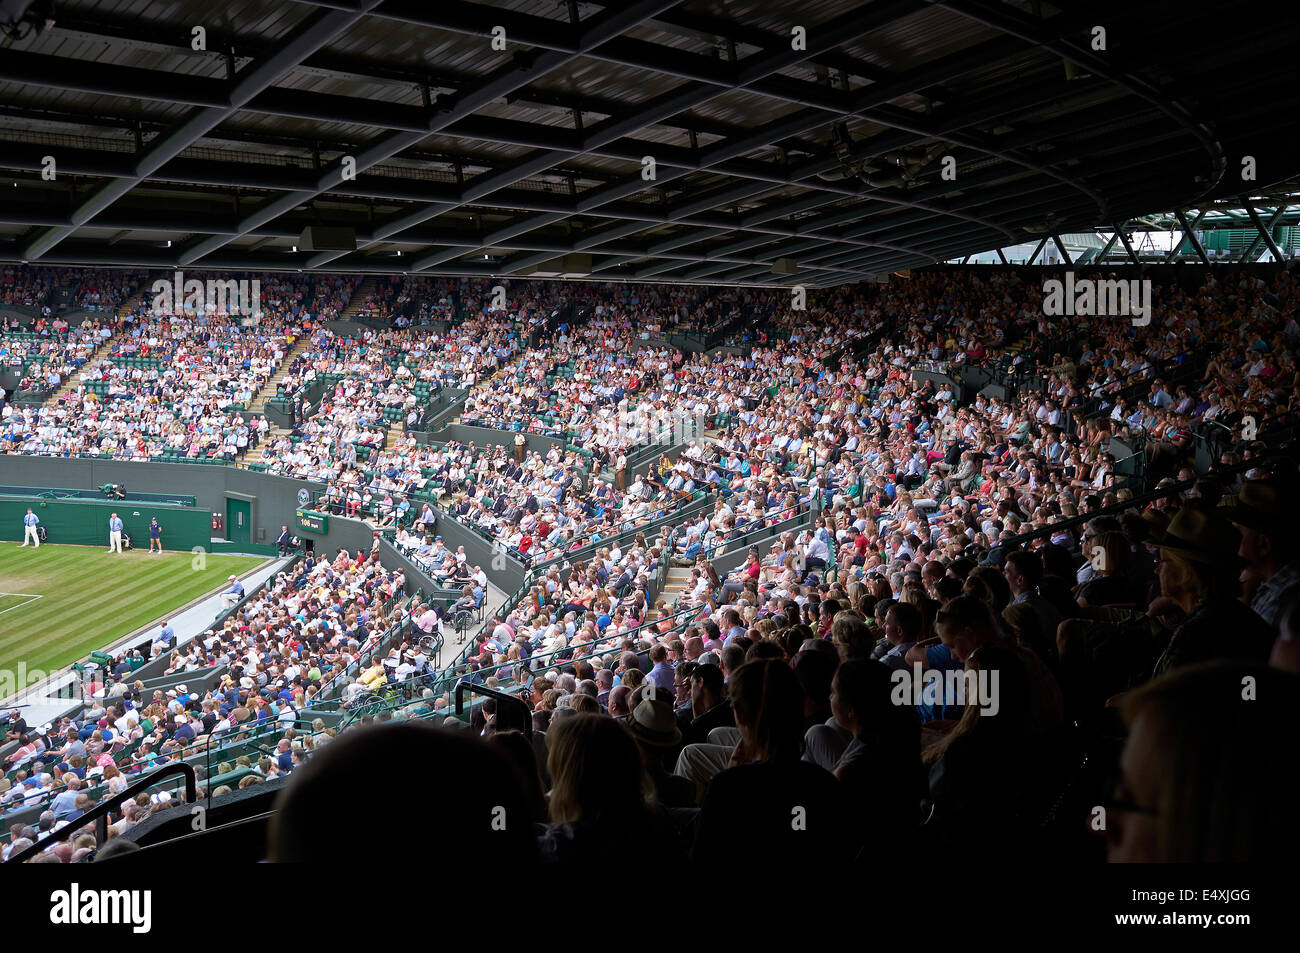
[238,521]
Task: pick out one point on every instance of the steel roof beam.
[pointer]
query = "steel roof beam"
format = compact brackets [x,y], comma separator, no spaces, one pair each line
[527,69]
[1189,233]
[319,29]
[746,73]
[1265,233]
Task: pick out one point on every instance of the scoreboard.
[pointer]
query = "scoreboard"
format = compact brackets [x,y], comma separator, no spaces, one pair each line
[313,522]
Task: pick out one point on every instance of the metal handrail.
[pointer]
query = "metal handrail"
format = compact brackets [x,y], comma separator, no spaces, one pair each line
[1139,501]
[99,813]
[445,681]
[375,642]
[526,716]
[538,570]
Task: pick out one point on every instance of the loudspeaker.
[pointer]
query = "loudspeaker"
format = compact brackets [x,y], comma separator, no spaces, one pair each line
[785,266]
[327,238]
[573,265]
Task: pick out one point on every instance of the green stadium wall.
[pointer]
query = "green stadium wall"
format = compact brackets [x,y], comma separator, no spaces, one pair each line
[85,522]
[273,499]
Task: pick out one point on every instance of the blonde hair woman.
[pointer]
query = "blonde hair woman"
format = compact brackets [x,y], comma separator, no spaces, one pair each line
[601,795]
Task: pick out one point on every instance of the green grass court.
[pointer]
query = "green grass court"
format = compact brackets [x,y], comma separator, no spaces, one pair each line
[60,603]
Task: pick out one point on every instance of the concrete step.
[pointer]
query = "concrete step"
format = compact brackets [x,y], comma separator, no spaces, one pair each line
[364,290]
[255,455]
[70,384]
[268,389]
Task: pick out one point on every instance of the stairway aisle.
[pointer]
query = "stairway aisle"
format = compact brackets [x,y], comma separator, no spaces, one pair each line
[364,291]
[269,388]
[71,383]
[675,585]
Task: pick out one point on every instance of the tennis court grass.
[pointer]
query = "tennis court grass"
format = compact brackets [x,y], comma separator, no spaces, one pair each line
[60,603]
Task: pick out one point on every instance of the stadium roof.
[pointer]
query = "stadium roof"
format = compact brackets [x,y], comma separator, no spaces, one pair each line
[532,160]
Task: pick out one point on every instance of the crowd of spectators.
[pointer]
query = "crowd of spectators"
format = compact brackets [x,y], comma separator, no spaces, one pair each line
[909,559]
[170,382]
[804,421]
[27,287]
[87,289]
[51,352]
[269,660]
[783,697]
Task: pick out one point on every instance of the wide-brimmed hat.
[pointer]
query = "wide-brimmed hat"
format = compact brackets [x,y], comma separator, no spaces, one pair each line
[1202,537]
[1157,522]
[1263,505]
[652,722]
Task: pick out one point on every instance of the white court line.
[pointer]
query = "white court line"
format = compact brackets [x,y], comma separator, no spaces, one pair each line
[31,597]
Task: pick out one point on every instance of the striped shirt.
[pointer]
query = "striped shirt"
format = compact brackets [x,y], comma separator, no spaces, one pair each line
[1268,597]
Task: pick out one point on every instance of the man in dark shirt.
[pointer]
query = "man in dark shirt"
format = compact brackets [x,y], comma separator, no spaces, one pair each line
[15,725]
[709,705]
[1199,574]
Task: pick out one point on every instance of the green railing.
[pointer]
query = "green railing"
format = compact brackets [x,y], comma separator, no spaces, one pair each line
[700,501]
[56,493]
[249,739]
[378,643]
[410,692]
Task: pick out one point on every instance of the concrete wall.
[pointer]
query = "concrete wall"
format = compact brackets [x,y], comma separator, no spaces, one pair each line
[958,391]
[435,593]
[490,437]
[504,572]
[738,552]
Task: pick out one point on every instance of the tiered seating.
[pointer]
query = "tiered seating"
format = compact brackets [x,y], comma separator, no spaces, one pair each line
[288,646]
[172,386]
[889,521]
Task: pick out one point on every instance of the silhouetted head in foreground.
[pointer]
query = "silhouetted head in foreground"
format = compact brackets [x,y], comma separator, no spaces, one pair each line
[380,786]
[1208,769]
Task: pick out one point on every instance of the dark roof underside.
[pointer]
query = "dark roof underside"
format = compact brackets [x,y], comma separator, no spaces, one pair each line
[533,159]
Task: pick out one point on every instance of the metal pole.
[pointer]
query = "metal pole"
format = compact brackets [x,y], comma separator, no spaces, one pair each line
[1060,246]
[1266,232]
[1190,235]
[1123,237]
